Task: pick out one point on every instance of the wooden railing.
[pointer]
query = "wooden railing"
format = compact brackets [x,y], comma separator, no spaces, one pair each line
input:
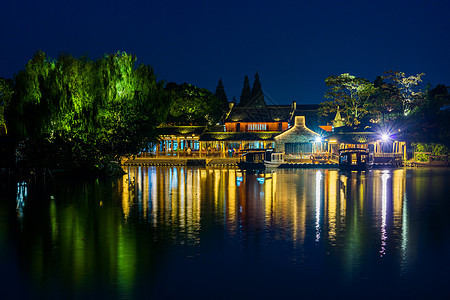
[390,155]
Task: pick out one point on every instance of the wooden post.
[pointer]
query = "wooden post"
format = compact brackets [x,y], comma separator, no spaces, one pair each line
[157,148]
[222,144]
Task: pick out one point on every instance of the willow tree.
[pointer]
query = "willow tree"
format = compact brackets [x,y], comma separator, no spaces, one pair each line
[349,93]
[6,92]
[92,111]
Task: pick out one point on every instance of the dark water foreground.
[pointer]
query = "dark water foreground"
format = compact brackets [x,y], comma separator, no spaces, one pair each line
[188,233]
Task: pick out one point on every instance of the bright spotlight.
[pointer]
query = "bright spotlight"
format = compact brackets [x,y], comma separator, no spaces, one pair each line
[385,137]
[318,139]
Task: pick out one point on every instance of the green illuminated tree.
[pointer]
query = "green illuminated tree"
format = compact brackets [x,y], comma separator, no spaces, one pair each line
[192,105]
[6,93]
[246,93]
[90,112]
[351,94]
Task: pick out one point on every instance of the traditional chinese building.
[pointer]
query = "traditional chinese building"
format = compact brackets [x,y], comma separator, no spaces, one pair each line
[243,128]
[299,140]
[178,140]
[254,127]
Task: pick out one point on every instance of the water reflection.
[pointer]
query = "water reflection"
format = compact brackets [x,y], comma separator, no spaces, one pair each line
[22,194]
[282,203]
[157,224]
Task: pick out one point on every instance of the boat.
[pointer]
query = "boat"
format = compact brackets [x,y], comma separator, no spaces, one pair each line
[273,159]
[252,160]
[355,159]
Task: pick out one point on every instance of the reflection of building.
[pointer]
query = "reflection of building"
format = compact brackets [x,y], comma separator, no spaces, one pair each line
[294,206]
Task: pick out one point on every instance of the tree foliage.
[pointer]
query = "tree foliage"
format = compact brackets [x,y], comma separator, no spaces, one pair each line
[349,93]
[406,86]
[246,93]
[6,93]
[192,105]
[97,111]
[221,96]
[257,96]
[386,104]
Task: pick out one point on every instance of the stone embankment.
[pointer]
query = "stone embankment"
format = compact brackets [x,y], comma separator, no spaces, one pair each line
[201,162]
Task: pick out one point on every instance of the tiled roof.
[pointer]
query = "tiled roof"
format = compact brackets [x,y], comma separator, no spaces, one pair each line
[180,130]
[260,114]
[238,136]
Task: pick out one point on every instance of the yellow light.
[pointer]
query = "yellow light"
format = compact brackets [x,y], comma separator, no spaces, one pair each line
[332,141]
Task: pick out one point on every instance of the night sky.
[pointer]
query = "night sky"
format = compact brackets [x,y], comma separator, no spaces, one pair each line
[294,45]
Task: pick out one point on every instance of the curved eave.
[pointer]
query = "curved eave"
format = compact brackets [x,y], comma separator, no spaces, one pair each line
[238,136]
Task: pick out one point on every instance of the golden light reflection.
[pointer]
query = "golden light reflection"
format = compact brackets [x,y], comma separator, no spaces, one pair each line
[231,202]
[343,199]
[127,191]
[284,201]
[353,213]
[332,207]
[398,190]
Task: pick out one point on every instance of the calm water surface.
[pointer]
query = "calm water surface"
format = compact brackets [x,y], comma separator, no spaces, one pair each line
[177,232]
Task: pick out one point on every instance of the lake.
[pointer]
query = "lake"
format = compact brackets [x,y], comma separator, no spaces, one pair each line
[213,233]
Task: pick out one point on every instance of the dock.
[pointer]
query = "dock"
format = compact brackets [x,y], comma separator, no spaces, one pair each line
[304,165]
[195,162]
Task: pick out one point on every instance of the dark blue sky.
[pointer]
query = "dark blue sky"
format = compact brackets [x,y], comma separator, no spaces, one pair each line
[294,45]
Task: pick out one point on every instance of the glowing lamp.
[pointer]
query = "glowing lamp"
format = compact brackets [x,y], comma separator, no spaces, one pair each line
[318,139]
[385,137]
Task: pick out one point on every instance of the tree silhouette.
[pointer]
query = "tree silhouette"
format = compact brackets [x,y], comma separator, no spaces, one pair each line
[221,95]
[257,96]
[246,93]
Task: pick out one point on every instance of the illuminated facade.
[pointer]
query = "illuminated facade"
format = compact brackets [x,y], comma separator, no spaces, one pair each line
[256,127]
[244,128]
[298,140]
[387,149]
